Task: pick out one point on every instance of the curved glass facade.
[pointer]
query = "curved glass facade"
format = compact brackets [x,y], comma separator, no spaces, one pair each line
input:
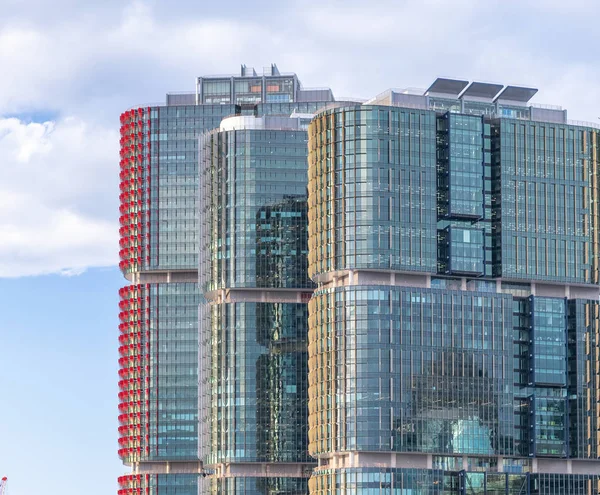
[258,486]
[158,484]
[158,411]
[254,381]
[432,367]
[372,190]
[438,482]
[410,370]
[254,321]
[158,373]
[159,179]
[380,188]
[254,213]
[385,481]
[159,242]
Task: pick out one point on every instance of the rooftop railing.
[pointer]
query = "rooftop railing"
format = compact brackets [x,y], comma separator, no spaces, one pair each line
[316,89]
[410,91]
[545,106]
[258,74]
[350,99]
[582,123]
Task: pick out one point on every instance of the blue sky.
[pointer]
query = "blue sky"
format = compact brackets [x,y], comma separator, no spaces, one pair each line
[58,387]
[69,68]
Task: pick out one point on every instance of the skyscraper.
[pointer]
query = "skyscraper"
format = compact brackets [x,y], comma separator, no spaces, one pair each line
[451,342]
[453,336]
[254,324]
[158,375]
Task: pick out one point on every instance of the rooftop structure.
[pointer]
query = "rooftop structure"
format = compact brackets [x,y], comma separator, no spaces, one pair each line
[477,98]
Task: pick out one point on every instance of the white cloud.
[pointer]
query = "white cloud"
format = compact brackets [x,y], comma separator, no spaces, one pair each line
[58,180]
[58,183]
[97,63]
[371,47]
[79,61]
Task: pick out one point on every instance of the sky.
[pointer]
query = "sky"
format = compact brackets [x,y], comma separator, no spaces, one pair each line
[69,68]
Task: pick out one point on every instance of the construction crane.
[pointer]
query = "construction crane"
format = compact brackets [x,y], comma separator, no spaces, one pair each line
[3,486]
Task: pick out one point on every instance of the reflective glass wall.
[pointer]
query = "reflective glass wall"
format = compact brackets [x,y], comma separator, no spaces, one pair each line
[258,486]
[158,372]
[254,213]
[409,370]
[485,373]
[545,202]
[372,190]
[254,377]
[254,319]
[159,238]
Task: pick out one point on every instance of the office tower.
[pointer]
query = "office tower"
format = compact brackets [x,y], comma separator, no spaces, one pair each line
[254,323]
[453,336]
[158,375]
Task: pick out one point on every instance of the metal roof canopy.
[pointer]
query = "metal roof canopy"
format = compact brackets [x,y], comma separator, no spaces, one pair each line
[447,86]
[517,93]
[482,90]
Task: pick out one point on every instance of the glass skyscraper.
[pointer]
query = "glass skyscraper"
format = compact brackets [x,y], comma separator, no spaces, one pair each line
[159,243]
[400,298]
[254,322]
[453,336]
